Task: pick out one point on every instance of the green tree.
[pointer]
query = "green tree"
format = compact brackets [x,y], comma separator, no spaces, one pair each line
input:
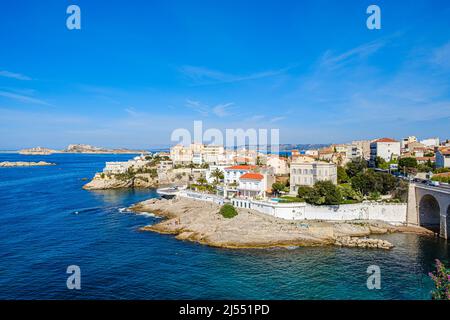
[408,164]
[381,163]
[202,181]
[342,176]
[356,166]
[278,187]
[329,191]
[217,175]
[348,193]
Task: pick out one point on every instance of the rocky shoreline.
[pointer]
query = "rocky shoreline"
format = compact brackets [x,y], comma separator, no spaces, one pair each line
[200,222]
[25,164]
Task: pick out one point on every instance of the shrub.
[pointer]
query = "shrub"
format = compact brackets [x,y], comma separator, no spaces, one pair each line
[445,179]
[228,211]
[441,279]
[348,194]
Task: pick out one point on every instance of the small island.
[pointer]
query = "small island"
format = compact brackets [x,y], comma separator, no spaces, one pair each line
[79,148]
[25,164]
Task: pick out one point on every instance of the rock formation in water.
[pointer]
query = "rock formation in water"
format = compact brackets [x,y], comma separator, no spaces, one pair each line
[25,164]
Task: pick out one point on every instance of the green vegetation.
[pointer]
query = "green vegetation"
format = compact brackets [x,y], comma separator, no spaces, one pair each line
[279,187]
[355,166]
[290,199]
[370,181]
[445,179]
[342,176]
[441,170]
[217,175]
[228,211]
[441,279]
[323,192]
[408,165]
[356,183]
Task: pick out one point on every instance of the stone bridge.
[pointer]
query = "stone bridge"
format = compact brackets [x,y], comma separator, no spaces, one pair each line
[429,206]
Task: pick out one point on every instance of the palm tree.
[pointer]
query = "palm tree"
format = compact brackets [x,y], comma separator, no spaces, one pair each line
[217,175]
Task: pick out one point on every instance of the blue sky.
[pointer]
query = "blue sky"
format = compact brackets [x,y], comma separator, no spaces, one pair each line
[137,70]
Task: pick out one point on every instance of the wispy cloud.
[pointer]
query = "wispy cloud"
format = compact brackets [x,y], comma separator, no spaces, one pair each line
[276,119]
[205,76]
[219,110]
[23,98]
[334,61]
[13,75]
[197,106]
[222,110]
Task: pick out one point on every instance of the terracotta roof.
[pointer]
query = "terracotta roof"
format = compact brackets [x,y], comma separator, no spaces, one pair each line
[240,167]
[385,140]
[252,176]
[425,158]
[445,151]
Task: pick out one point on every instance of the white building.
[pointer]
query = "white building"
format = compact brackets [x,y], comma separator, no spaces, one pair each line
[306,172]
[233,173]
[443,158]
[431,142]
[253,185]
[385,148]
[118,167]
[405,141]
[278,164]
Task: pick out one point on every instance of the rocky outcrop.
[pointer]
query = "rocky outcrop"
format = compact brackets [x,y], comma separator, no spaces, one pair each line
[200,221]
[25,164]
[103,181]
[363,243]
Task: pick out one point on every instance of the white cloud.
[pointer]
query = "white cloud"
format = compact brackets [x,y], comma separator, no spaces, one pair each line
[204,76]
[221,110]
[13,75]
[23,98]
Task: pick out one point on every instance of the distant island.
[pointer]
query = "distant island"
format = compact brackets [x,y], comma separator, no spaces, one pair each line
[79,148]
[25,164]
[37,151]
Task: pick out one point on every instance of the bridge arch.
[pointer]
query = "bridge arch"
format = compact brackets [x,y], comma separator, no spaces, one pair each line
[429,212]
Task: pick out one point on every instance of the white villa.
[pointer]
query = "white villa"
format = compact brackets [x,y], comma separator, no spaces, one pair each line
[254,184]
[306,171]
[233,173]
[118,167]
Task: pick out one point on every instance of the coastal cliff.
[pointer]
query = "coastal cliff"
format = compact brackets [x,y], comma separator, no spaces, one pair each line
[200,221]
[103,181]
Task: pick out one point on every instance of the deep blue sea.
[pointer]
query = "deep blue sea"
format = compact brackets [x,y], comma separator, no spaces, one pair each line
[48,222]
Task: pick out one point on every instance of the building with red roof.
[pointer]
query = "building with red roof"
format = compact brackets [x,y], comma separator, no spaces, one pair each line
[385,148]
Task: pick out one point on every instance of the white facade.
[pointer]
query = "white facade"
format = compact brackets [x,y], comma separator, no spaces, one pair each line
[278,164]
[431,142]
[307,173]
[385,148]
[233,173]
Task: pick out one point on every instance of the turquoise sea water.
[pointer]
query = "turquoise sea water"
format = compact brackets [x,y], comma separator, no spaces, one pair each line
[47,222]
